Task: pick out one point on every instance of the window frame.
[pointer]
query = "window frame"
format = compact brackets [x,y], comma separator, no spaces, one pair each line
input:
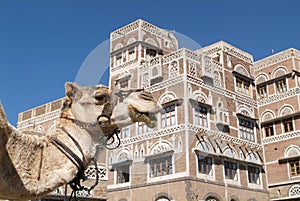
[160,166]
[120,174]
[243,86]
[296,171]
[168,115]
[244,129]
[253,174]
[231,173]
[262,91]
[269,130]
[281,85]
[200,118]
[287,125]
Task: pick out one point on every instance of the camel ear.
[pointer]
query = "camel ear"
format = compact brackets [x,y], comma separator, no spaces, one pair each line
[72,90]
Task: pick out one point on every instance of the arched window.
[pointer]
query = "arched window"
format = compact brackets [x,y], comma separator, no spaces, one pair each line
[294,190]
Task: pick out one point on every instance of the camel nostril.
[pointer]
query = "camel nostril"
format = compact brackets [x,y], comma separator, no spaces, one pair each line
[103,121]
[146,96]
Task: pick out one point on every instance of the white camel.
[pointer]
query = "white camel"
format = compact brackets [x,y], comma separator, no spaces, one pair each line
[33,164]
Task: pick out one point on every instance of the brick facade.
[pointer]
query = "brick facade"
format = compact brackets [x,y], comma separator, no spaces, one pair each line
[229,129]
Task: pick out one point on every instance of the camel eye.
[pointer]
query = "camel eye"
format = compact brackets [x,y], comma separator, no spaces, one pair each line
[100,97]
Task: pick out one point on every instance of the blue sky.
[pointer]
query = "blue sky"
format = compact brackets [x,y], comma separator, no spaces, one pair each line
[43,43]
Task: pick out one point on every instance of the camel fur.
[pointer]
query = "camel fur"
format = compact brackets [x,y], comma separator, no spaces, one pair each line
[31,166]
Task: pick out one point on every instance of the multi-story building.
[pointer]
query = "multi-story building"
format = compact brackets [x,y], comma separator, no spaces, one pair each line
[277,83]
[227,132]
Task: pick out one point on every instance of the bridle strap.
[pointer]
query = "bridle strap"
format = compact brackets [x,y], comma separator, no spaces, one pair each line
[69,153]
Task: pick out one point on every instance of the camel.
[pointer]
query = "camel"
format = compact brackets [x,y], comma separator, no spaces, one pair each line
[33,164]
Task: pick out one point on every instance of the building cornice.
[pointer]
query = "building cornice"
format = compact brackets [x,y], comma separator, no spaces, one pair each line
[276,58]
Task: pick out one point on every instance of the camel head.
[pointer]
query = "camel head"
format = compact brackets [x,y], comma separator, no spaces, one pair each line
[110,110]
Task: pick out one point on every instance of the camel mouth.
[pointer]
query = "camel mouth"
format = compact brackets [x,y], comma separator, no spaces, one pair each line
[137,116]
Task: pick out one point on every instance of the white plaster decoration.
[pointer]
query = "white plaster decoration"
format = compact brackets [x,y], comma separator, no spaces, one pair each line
[160,147]
[118,46]
[229,152]
[278,97]
[252,157]
[124,30]
[123,155]
[167,97]
[91,172]
[294,191]
[200,96]
[245,110]
[278,72]
[180,145]
[192,69]
[276,58]
[207,66]
[40,128]
[120,68]
[131,40]
[291,151]
[217,79]
[173,69]
[281,137]
[267,115]
[52,126]
[151,42]
[204,147]
[229,49]
[40,119]
[166,83]
[224,137]
[193,56]
[261,78]
[158,133]
[229,62]
[242,70]
[145,80]
[286,110]
[223,92]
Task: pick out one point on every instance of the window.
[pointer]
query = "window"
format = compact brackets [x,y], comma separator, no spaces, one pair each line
[131,55]
[288,125]
[200,117]
[123,175]
[125,132]
[168,116]
[243,86]
[123,83]
[281,86]
[269,130]
[143,128]
[295,168]
[253,175]
[161,166]
[230,170]
[119,59]
[246,130]
[204,165]
[262,91]
[150,53]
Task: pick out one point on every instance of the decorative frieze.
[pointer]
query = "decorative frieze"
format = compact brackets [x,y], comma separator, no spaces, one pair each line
[224,137]
[124,30]
[243,99]
[91,172]
[276,58]
[40,119]
[281,137]
[165,84]
[154,134]
[229,49]
[277,97]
